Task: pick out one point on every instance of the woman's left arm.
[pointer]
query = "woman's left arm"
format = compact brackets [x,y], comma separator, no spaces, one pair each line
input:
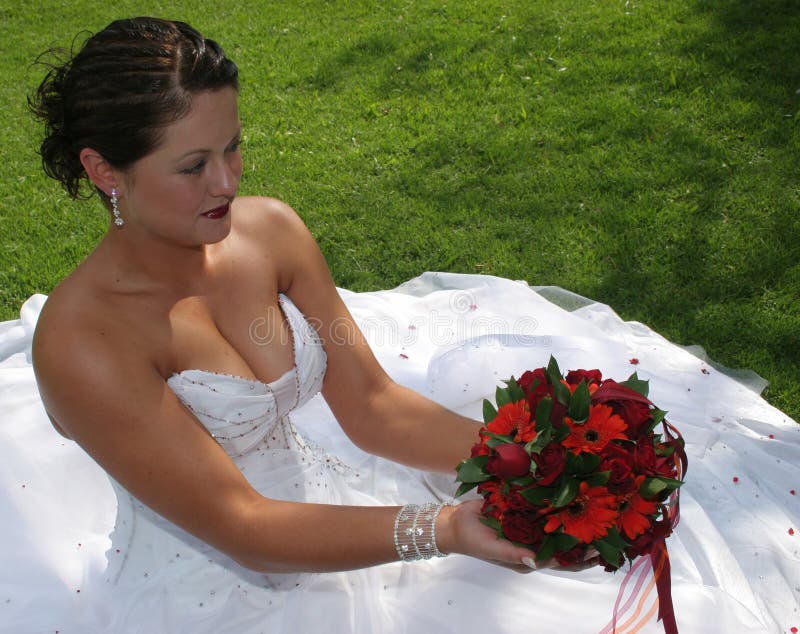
[377,414]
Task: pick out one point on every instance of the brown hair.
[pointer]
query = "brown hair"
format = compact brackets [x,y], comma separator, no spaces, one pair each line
[122,88]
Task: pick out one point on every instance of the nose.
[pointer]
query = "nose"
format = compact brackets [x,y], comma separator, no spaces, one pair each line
[225,179]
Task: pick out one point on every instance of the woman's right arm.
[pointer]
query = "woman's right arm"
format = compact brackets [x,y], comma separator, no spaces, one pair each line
[117,406]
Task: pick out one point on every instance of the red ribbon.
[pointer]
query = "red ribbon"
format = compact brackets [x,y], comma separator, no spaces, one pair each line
[661,571]
[659,557]
[658,553]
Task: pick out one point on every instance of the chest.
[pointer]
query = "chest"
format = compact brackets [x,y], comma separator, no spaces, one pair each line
[243,335]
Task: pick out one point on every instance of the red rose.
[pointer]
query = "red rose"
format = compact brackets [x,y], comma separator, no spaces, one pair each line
[558,413]
[550,462]
[590,376]
[626,486]
[537,393]
[528,377]
[479,449]
[643,544]
[635,413]
[640,546]
[645,456]
[666,467]
[518,503]
[571,557]
[509,461]
[618,461]
[522,527]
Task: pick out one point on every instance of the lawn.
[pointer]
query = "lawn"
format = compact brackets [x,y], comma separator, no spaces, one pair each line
[644,154]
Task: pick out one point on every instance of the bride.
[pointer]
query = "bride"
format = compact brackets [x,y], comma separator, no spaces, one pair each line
[184,355]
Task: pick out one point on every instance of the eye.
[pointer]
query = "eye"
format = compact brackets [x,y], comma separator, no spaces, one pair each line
[235,145]
[195,169]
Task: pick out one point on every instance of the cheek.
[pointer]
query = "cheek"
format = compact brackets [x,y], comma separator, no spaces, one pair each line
[236,166]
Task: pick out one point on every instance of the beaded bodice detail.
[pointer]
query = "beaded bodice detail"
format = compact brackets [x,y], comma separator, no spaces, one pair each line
[240,413]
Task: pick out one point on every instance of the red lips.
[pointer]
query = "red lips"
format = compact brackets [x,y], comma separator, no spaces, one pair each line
[218,212]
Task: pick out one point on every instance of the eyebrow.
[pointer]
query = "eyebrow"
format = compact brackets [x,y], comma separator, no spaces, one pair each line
[234,138]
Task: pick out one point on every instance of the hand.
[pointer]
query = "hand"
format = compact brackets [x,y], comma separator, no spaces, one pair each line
[591,560]
[459,530]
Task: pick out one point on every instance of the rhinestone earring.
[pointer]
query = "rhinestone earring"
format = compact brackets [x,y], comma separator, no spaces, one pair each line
[115,208]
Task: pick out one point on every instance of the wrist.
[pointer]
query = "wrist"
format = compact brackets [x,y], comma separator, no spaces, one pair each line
[445,534]
[415,531]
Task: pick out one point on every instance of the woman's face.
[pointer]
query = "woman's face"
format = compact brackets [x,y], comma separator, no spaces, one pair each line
[182,190]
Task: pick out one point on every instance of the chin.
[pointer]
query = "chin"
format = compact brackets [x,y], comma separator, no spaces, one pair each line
[219,232]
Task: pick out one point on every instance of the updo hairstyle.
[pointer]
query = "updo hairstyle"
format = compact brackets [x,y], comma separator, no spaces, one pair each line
[118,93]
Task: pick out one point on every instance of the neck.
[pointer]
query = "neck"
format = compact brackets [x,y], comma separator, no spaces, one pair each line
[137,261]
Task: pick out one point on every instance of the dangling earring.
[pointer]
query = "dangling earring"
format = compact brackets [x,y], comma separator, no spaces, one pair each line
[115,208]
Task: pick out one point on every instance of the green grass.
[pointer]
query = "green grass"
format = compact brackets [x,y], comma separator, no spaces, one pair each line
[644,154]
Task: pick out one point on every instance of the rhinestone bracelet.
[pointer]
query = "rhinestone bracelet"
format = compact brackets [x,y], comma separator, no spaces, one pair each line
[415,532]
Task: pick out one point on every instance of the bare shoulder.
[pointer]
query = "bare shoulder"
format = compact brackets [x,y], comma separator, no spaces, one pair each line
[273,227]
[82,347]
[267,215]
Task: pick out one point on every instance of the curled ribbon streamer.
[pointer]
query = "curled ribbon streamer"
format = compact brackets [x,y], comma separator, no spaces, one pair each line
[645,564]
[657,561]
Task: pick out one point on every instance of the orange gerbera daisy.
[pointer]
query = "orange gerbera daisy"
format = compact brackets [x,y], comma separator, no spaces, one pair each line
[588,516]
[636,513]
[592,436]
[510,417]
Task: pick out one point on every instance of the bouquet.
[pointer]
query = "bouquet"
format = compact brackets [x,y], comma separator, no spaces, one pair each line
[570,463]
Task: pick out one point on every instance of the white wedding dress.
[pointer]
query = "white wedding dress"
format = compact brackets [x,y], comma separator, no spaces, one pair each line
[79,555]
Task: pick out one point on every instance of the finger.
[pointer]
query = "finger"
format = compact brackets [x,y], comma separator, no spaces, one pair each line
[585,565]
[522,569]
[530,562]
[519,568]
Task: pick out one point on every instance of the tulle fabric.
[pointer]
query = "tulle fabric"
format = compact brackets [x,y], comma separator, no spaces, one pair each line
[80,555]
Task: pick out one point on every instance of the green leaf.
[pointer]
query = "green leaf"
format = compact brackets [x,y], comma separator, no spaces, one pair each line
[491,522]
[582,463]
[522,481]
[608,551]
[598,479]
[498,439]
[653,487]
[637,384]
[501,396]
[542,416]
[665,450]
[565,541]
[472,470]
[539,496]
[541,441]
[553,371]
[547,549]
[615,539]
[579,403]
[658,415]
[561,432]
[562,393]
[515,391]
[489,411]
[465,488]
[566,492]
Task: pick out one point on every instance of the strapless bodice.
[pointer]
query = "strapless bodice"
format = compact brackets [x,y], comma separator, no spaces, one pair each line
[239,412]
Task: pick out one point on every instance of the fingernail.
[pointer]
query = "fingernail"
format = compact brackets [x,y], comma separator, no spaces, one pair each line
[528,561]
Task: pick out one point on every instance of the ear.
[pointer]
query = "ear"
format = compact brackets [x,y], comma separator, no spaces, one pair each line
[98,170]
